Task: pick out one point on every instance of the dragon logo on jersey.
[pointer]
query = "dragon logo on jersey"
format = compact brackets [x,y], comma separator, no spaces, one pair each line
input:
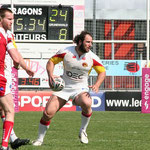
[84,64]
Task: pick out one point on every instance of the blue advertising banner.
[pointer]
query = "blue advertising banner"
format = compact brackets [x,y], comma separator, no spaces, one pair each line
[121,68]
[98,102]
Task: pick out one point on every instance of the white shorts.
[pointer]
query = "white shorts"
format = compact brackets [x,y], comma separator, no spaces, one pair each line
[70,93]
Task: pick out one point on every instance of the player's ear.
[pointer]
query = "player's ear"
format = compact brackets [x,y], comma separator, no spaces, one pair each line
[80,42]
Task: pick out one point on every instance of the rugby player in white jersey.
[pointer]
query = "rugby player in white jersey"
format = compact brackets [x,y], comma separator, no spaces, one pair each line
[6,99]
[78,61]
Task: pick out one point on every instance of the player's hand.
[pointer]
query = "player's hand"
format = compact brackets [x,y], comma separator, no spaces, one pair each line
[30,72]
[52,80]
[94,88]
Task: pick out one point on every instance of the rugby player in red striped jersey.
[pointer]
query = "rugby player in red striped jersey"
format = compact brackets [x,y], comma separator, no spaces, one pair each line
[6,99]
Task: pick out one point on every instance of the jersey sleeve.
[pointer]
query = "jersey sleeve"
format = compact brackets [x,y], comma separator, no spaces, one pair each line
[97,65]
[58,57]
[10,41]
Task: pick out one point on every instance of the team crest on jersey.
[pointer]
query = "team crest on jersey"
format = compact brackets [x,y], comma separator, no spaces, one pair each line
[84,64]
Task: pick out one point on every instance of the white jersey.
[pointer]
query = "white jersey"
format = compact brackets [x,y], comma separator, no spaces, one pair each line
[77,69]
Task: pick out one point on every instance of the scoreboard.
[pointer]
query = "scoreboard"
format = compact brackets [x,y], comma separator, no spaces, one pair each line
[43,22]
[46,19]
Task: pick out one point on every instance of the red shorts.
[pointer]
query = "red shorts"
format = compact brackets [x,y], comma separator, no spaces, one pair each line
[2,85]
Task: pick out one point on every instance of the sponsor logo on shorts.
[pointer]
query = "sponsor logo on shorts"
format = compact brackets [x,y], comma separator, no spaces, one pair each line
[1,89]
[85,89]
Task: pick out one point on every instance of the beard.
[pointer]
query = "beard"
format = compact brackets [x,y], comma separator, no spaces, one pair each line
[82,48]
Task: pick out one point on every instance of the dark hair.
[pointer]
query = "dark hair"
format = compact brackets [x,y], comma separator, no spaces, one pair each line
[3,11]
[81,36]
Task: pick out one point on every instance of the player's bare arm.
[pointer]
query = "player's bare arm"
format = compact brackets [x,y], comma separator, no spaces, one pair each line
[17,58]
[100,78]
[14,55]
[50,68]
[24,66]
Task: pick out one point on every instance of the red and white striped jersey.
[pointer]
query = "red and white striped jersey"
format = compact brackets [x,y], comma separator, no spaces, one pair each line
[6,43]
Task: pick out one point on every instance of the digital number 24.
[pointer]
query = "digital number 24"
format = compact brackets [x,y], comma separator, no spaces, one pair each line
[57,12]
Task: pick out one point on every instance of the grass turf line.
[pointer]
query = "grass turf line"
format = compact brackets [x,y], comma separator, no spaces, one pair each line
[106,131]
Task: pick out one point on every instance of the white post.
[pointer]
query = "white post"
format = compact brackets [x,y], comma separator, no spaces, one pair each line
[147,43]
[12,8]
[94,25]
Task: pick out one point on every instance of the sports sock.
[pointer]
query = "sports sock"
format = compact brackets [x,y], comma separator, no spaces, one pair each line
[3,118]
[13,136]
[43,126]
[85,119]
[7,127]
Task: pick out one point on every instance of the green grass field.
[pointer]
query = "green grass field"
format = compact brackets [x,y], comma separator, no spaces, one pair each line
[106,131]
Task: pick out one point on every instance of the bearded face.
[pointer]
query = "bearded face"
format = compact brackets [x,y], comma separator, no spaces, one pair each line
[82,48]
[85,46]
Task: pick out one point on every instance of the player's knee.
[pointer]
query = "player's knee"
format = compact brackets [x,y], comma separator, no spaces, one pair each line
[87,110]
[9,114]
[9,110]
[47,115]
[86,100]
[1,109]
[86,104]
